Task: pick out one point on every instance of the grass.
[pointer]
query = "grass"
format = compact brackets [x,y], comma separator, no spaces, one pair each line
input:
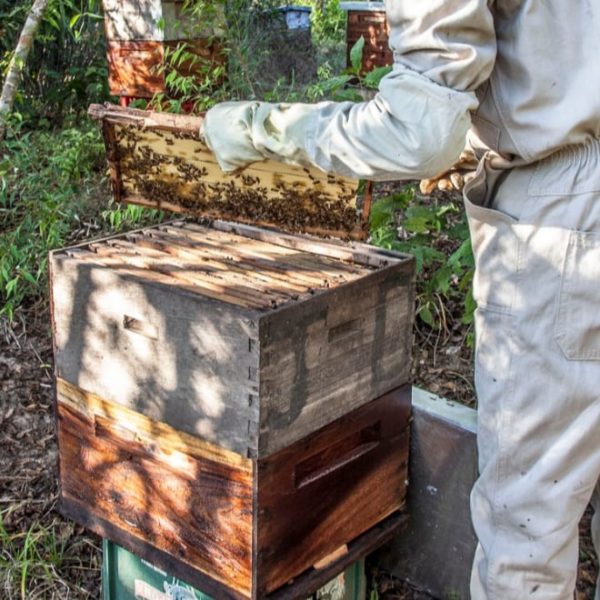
[39,562]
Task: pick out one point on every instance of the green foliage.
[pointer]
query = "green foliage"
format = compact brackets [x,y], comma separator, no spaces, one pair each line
[51,186]
[197,82]
[66,69]
[189,79]
[356,53]
[406,223]
[194,80]
[352,84]
[253,61]
[327,20]
[372,79]
[12,17]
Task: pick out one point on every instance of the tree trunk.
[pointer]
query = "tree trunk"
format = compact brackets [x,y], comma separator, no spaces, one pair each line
[19,60]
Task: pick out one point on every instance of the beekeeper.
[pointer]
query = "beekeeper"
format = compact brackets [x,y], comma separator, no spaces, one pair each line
[521,77]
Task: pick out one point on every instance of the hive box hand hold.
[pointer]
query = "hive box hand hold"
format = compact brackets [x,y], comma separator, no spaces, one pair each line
[249,338]
[158,160]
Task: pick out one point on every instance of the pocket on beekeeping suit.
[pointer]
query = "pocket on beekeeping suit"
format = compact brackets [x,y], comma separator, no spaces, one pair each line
[565,193]
[577,327]
[495,245]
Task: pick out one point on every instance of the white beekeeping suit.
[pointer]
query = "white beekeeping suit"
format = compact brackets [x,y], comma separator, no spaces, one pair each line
[523,75]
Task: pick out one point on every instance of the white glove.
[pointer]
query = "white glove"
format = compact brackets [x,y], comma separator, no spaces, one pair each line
[240,133]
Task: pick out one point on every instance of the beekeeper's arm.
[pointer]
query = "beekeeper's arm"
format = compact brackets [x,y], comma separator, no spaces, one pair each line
[416,125]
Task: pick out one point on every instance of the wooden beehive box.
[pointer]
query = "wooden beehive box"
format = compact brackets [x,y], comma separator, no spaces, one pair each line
[249,338]
[232,400]
[159,160]
[232,526]
[368,19]
[140,33]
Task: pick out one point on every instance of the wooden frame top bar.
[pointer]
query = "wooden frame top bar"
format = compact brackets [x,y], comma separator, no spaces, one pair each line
[238,264]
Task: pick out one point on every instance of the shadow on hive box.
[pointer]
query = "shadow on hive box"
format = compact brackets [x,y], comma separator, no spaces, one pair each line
[232,400]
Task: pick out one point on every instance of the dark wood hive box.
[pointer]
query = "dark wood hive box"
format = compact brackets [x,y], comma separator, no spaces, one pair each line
[246,337]
[368,20]
[232,526]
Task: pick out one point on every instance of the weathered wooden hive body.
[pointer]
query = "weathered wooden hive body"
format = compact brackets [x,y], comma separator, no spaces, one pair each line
[232,400]
[248,338]
[140,33]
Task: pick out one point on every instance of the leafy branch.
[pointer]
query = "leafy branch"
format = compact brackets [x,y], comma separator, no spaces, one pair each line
[406,223]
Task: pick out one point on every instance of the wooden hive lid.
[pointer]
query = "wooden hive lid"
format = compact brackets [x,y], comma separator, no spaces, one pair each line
[159,160]
[237,264]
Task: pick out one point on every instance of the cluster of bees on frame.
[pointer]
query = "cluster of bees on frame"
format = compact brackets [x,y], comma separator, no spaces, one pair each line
[171,181]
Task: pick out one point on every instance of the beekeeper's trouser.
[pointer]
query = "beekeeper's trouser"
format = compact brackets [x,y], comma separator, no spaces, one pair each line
[537,286]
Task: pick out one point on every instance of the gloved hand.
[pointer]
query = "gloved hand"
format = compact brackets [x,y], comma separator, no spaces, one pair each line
[453,178]
[240,133]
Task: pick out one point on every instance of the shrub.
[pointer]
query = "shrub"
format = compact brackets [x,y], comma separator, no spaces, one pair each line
[53,191]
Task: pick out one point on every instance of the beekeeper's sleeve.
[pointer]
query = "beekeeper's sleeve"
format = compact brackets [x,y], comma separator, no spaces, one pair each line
[416,125]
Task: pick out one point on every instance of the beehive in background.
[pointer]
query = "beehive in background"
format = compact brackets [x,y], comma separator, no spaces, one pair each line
[368,19]
[139,33]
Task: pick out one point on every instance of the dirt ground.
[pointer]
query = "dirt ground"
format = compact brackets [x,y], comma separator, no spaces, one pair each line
[28,478]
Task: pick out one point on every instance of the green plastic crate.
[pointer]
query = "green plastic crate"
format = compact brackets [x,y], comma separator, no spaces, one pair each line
[127,577]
